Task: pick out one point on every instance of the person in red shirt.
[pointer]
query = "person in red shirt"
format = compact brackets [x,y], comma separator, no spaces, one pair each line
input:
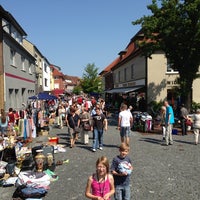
[16,115]
[11,116]
[93,101]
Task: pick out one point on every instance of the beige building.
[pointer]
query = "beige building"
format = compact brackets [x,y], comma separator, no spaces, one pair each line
[38,63]
[132,73]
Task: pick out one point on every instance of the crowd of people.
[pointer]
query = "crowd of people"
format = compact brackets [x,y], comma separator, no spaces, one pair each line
[81,114]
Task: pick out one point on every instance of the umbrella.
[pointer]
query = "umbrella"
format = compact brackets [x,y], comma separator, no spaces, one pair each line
[43,96]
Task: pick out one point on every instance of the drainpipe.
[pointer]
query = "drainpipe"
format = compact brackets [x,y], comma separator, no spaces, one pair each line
[146,82]
[2,102]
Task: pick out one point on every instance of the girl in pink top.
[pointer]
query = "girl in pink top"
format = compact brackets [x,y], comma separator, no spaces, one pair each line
[100,186]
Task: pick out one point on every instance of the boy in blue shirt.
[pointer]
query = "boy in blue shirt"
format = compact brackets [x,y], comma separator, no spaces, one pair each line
[121,169]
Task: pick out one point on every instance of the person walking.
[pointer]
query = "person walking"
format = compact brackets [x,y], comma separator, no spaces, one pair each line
[125,121]
[61,115]
[121,169]
[85,120]
[100,186]
[169,121]
[183,118]
[72,122]
[196,126]
[99,124]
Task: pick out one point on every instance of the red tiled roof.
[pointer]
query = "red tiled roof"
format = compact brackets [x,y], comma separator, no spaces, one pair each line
[123,55]
[74,79]
[57,73]
[57,92]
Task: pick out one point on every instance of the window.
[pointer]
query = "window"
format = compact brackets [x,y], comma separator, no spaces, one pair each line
[17,97]
[11,97]
[20,39]
[125,74]
[29,68]
[40,64]
[171,67]
[119,76]
[23,94]
[12,57]
[56,86]
[45,67]
[14,34]
[36,59]
[23,63]
[45,82]
[132,71]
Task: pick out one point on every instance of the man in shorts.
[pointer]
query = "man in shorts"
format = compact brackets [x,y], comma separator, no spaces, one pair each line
[125,121]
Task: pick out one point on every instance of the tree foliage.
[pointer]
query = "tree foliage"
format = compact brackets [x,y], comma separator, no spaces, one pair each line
[90,81]
[77,90]
[174,27]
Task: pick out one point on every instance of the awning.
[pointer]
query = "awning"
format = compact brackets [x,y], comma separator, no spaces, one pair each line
[124,90]
[57,92]
[43,96]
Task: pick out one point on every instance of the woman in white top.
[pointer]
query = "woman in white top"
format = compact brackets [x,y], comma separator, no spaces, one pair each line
[3,122]
[196,126]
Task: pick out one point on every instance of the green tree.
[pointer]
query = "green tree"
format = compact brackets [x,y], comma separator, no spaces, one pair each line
[90,81]
[174,27]
[77,90]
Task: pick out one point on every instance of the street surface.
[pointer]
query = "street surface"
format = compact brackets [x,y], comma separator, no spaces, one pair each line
[160,172]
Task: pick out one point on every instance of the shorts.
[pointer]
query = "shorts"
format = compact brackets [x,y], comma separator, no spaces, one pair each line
[71,132]
[125,131]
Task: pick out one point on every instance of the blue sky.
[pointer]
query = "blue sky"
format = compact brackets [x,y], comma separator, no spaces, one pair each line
[74,33]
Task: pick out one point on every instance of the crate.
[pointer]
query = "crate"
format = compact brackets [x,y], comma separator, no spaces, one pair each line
[53,140]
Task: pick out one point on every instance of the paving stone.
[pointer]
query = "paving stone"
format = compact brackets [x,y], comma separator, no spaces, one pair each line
[160,172]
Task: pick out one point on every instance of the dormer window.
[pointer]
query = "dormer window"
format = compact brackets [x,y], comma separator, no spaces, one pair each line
[121,53]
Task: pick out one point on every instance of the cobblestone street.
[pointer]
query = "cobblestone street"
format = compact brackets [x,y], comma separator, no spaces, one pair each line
[160,172]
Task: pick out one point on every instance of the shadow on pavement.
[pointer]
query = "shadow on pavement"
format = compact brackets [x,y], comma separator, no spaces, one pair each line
[184,142]
[151,140]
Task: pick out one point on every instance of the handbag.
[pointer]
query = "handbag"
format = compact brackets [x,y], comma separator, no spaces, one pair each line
[24,192]
[76,128]
[188,122]
[86,126]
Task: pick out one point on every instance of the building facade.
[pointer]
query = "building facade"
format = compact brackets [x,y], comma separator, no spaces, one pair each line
[17,65]
[46,75]
[131,73]
[58,80]
[33,50]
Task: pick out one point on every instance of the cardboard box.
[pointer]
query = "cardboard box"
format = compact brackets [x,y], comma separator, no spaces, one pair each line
[43,133]
[51,121]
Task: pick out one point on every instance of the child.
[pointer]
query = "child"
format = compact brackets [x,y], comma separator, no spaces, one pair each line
[121,169]
[100,186]
[162,123]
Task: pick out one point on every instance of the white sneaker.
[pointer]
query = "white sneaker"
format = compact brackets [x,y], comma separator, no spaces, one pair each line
[93,150]
[101,148]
